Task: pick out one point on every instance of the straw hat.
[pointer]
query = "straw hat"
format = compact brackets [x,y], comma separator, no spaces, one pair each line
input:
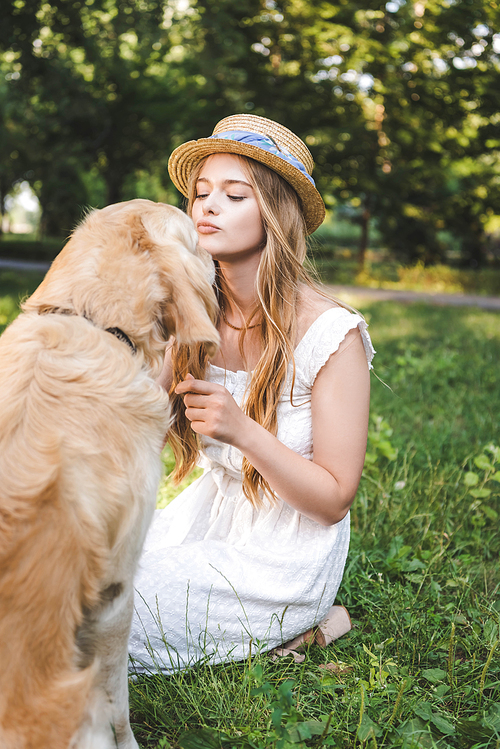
[263,140]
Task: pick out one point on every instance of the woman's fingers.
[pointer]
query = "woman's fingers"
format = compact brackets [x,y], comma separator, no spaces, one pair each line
[194,414]
[196,386]
[195,400]
[211,409]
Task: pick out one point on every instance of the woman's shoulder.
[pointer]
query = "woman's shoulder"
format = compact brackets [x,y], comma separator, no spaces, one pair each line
[325,327]
[312,305]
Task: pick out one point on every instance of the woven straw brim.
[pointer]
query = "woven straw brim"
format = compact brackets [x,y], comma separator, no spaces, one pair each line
[186,157]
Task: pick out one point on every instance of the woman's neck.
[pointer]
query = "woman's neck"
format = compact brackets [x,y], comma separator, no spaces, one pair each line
[239,285]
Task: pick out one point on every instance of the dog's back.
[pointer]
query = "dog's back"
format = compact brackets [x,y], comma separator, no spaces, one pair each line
[66,391]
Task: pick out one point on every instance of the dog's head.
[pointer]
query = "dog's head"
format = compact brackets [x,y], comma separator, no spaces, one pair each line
[136,266]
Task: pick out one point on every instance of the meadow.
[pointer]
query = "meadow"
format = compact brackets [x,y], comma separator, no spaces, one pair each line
[421,668]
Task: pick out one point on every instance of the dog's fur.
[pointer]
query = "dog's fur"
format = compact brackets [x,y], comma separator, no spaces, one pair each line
[81,429]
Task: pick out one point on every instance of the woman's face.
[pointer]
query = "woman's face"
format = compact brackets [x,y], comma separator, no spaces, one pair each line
[226,212]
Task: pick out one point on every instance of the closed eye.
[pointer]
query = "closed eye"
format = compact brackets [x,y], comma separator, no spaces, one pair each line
[236,197]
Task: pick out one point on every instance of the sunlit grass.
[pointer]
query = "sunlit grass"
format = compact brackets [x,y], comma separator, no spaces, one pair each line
[422,666]
[380,272]
[167,490]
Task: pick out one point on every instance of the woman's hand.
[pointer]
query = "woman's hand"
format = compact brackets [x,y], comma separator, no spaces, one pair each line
[322,488]
[212,410]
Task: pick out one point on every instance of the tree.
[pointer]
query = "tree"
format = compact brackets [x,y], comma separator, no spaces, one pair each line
[397,101]
[432,106]
[393,99]
[93,89]
[13,144]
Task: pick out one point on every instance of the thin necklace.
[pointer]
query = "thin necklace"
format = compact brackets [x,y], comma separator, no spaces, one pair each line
[234,327]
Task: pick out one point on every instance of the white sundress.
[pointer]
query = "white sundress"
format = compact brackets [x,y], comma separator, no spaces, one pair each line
[219,578]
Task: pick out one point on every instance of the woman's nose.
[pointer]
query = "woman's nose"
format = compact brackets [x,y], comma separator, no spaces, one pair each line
[210,205]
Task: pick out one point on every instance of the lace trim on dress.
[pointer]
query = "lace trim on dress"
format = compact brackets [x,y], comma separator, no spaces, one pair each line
[324,337]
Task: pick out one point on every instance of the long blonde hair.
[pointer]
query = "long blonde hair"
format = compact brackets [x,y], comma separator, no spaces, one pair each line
[280,273]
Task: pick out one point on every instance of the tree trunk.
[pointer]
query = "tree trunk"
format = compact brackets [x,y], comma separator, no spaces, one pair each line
[114,186]
[474,251]
[2,206]
[363,242]
[473,244]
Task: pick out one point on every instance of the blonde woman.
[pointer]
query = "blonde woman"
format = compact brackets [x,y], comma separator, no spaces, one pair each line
[251,555]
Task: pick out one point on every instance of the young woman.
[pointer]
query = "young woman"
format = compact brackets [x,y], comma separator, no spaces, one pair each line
[251,555]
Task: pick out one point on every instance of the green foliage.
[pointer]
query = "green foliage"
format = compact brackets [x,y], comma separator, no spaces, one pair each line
[91,92]
[23,247]
[476,481]
[397,101]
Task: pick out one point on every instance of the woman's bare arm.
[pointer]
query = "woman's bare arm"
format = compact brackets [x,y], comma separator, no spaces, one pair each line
[324,488]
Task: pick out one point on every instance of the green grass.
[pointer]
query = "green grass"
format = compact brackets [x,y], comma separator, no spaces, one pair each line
[383,272]
[421,667]
[14,287]
[167,490]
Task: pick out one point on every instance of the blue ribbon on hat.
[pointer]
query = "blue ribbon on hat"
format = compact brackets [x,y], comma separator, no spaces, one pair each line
[266,144]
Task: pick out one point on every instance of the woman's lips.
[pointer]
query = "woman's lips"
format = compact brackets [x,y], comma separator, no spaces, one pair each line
[207,228]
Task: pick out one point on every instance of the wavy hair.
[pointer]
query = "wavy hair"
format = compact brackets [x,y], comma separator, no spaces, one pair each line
[280,273]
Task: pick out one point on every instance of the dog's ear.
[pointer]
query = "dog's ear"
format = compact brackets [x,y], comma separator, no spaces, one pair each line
[190,307]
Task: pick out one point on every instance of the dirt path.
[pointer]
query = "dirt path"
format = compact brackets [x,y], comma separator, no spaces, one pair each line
[348,292]
[8,264]
[411,297]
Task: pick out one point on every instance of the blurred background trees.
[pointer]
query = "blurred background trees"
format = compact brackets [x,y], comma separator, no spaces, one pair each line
[398,102]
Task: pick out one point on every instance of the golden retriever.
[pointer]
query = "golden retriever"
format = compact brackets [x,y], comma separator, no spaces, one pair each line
[82,424]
